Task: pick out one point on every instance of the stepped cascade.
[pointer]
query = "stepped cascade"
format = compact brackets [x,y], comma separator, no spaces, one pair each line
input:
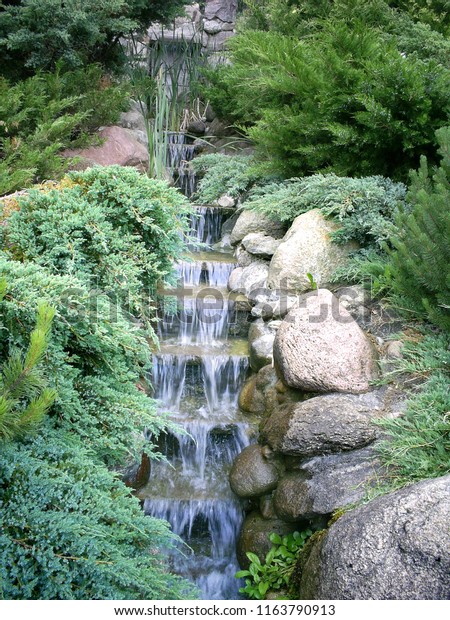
[197,375]
[180,151]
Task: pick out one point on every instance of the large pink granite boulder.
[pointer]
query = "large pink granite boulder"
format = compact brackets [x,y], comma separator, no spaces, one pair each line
[120,148]
[319,347]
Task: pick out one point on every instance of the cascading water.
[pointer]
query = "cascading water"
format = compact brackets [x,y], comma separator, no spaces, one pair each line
[197,376]
[180,151]
[206,225]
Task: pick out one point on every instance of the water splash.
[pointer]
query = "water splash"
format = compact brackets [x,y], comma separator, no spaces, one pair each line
[180,151]
[209,273]
[218,377]
[206,225]
[201,319]
[211,527]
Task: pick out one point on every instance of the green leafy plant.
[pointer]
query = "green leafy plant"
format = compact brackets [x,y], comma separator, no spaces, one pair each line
[353,93]
[418,265]
[47,113]
[113,228]
[69,528]
[119,233]
[410,269]
[312,281]
[36,34]
[274,573]
[164,81]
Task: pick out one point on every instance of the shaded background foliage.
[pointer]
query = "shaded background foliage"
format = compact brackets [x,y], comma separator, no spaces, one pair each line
[36,34]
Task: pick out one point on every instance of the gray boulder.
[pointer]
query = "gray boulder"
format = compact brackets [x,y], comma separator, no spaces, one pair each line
[254,472]
[260,244]
[325,483]
[252,222]
[225,10]
[260,337]
[355,299]
[307,248]
[325,424]
[254,278]
[261,351]
[216,42]
[395,547]
[133,119]
[274,304]
[249,280]
[264,393]
[319,347]
[255,534]
[196,127]
[244,258]
[235,279]
[212,26]
[226,201]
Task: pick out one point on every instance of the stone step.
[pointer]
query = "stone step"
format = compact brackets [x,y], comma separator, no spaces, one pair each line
[234,347]
[210,256]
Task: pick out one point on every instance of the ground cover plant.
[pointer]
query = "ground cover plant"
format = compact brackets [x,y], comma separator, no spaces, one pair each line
[70,528]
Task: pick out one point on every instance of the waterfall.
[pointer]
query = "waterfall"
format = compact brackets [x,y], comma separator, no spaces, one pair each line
[211,273]
[180,151]
[204,318]
[197,375]
[206,225]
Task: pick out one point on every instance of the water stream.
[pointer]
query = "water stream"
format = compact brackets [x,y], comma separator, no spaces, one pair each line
[197,375]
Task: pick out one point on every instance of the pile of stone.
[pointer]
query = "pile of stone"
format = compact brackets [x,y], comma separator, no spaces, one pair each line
[314,389]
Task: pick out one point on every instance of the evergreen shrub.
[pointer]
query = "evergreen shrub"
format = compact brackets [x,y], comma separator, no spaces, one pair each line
[113,228]
[44,114]
[69,527]
[222,174]
[366,208]
[36,34]
[24,397]
[342,88]
[418,268]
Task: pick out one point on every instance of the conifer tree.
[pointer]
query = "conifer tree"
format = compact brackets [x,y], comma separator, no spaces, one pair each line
[24,397]
[420,262]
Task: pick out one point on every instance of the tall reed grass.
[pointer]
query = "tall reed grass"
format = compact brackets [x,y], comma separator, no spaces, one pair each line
[165,79]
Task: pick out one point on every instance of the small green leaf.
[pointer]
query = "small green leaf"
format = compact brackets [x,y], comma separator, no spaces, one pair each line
[242,573]
[253,558]
[263,587]
[275,539]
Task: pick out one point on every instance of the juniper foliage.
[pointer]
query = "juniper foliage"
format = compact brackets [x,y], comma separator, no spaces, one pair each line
[418,265]
[222,174]
[351,92]
[36,34]
[46,113]
[365,208]
[69,527]
[113,228]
